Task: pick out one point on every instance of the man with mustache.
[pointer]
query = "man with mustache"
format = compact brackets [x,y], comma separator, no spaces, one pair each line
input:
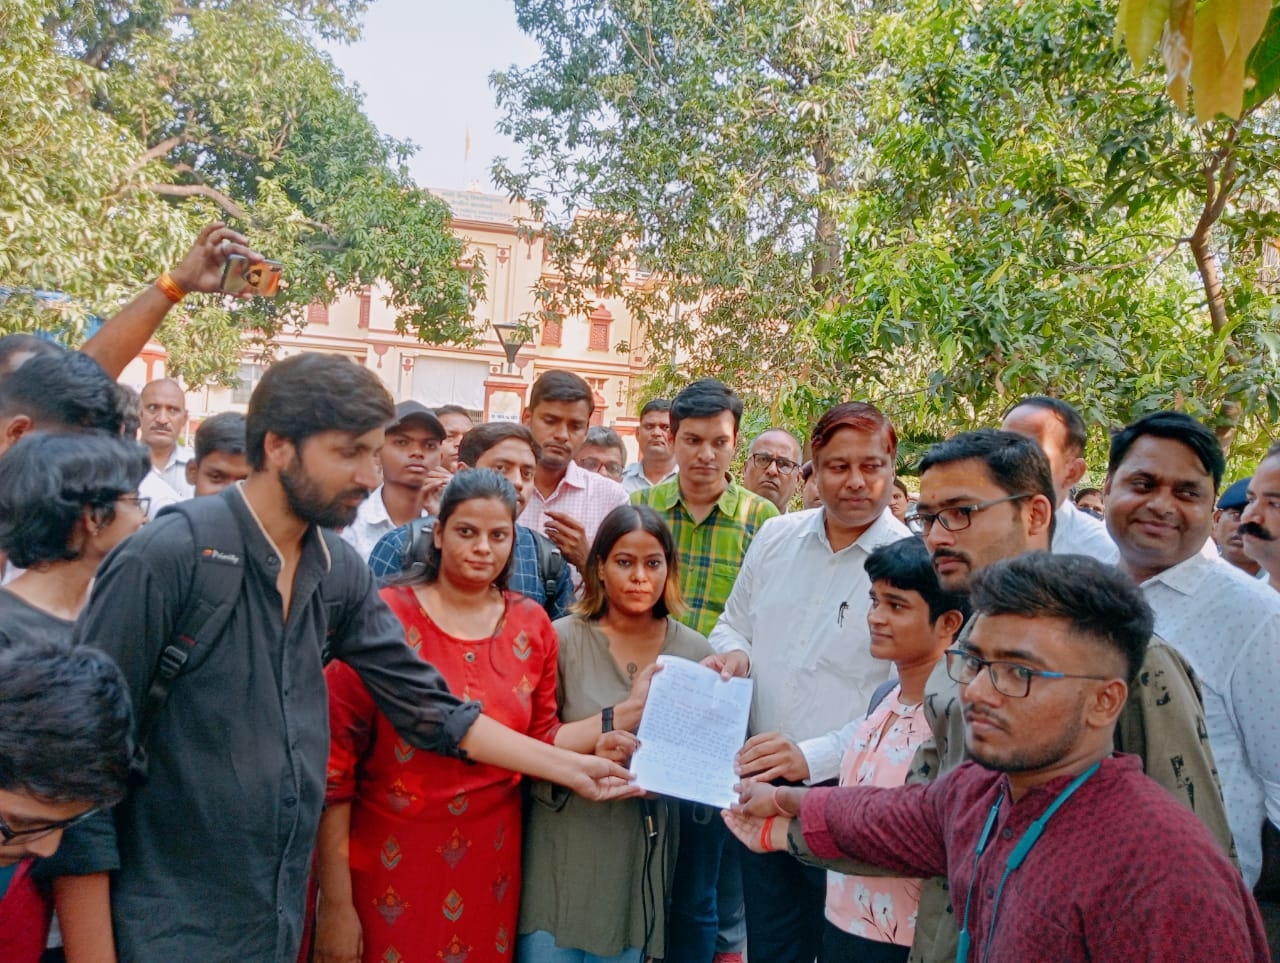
[567,503]
[772,469]
[164,421]
[1056,848]
[1226,528]
[1163,473]
[1259,519]
[987,496]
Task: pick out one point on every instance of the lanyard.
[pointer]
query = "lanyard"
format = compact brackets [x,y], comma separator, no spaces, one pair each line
[1016,858]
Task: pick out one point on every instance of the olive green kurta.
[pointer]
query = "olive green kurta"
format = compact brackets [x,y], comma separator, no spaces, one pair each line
[584,862]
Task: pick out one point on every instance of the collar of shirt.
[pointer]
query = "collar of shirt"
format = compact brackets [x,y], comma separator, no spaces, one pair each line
[575,476]
[180,455]
[1188,575]
[666,494]
[313,543]
[883,531]
[636,470]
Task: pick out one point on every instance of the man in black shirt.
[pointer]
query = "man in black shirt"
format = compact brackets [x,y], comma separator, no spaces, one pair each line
[215,846]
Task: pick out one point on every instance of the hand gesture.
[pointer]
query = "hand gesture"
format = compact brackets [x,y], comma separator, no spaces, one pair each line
[433,488]
[599,779]
[617,746]
[770,756]
[339,938]
[201,269]
[730,665]
[570,537]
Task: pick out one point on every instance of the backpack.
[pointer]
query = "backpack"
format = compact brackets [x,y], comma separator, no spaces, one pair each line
[413,555]
[881,693]
[211,598]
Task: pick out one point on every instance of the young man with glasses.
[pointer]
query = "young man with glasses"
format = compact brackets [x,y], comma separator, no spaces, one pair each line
[796,621]
[64,754]
[1055,847]
[987,496]
[772,469]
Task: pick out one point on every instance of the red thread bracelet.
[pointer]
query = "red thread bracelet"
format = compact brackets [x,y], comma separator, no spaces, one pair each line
[766,835]
[171,289]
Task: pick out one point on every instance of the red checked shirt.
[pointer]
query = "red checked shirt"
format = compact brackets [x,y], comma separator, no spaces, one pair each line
[1122,873]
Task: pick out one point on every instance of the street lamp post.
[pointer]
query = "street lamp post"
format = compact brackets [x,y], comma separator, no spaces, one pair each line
[512,337]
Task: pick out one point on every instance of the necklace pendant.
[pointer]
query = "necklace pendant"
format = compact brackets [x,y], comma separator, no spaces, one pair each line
[632,669]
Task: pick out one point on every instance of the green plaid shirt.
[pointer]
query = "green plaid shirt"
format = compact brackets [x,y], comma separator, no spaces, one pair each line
[711,551]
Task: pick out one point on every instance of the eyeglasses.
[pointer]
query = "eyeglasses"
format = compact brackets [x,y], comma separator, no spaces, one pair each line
[610,468]
[956,518]
[1009,678]
[142,501]
[31,835]
[785,465]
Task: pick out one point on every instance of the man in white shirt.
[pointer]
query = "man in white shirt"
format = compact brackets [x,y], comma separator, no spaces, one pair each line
[163,420]
[796,621]
[1163,473]
[1226,529]
[410,452]
[772,468]
[567,503]
[1060,432]
[657,460]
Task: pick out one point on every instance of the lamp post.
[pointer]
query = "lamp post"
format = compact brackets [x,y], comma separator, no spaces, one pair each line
[512,337]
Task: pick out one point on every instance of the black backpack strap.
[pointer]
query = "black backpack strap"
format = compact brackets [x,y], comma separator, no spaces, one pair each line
[210,600]
[881,693]
[335,590]
[550,567]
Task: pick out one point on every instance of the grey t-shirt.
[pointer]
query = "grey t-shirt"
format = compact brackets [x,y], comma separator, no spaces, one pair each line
[20,621]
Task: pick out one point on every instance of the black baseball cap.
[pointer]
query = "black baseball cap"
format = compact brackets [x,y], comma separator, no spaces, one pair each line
[409,411]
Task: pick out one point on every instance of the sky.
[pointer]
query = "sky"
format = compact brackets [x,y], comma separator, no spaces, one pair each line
[423,67]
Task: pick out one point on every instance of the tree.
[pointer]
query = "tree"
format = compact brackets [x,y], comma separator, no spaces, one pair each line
[214,109]
[1018,213]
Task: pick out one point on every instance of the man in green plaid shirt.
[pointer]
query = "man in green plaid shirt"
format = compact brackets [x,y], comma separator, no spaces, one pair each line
[713,521]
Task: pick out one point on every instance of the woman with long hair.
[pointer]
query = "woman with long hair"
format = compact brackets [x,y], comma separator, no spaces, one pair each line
[66,500]
[419,854]
[598,874]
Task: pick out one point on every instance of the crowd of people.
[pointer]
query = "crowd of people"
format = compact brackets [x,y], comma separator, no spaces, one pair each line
[351,680]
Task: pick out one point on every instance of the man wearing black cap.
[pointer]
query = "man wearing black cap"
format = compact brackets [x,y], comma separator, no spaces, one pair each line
[1226,528]
[411,452]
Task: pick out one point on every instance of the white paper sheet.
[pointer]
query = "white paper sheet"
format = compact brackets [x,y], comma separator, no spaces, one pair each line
[693,725]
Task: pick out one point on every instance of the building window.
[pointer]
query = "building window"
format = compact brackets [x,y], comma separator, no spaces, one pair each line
[600,320]
[366,303]
[317,313]
[247,379]
[552,328]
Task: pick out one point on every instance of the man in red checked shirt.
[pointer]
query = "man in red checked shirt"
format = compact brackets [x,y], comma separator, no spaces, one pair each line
[1054,847]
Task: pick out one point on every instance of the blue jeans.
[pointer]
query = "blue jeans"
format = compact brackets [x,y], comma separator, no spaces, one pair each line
[692,920]
[732,935]
[540,947]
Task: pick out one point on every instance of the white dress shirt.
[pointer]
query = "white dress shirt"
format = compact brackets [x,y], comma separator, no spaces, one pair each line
[372,522]
[1079,533]
[161,493]
[1227,625]
[174,472]
[634,479]
[799,610]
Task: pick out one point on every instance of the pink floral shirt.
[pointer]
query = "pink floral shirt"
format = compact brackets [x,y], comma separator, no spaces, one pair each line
[880,908]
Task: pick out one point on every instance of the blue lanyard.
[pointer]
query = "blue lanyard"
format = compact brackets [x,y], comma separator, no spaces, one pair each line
[1016,858]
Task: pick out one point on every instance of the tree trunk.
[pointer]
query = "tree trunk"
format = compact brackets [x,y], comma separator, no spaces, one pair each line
[826,234]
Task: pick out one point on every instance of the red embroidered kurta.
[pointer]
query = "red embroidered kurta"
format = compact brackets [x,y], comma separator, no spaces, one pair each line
[1122,874]
[24,917]
[436,842]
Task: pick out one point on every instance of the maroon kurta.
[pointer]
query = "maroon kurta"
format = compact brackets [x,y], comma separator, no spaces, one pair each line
[1122,873]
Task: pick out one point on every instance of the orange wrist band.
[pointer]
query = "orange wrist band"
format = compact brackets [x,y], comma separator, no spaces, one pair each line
[169,287]
[777,803]
[766,835]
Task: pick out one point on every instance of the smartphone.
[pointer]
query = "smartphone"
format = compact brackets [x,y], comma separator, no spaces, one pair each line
[240,276]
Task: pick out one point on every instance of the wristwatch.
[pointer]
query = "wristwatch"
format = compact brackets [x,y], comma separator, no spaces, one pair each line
[606,719]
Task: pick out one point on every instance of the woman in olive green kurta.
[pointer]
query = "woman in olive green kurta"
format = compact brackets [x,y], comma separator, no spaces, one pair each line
[595,882]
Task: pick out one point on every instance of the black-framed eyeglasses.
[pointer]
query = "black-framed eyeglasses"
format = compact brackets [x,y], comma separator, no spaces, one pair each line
[8,835]
[1009,678]
[142,501]
[610,468]
[785,465]
[956,518]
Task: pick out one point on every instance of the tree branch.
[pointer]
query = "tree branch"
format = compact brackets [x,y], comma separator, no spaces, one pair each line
[200,190]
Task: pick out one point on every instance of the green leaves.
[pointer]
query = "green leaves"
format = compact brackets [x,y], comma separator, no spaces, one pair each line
[126,127]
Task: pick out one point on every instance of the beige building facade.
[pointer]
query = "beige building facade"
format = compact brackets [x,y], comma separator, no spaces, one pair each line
[363,327]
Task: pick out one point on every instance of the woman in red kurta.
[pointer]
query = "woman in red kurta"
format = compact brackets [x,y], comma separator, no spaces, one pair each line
[433,844]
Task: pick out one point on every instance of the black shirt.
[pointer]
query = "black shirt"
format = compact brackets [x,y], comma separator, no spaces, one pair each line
[20,621]
[215,847]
